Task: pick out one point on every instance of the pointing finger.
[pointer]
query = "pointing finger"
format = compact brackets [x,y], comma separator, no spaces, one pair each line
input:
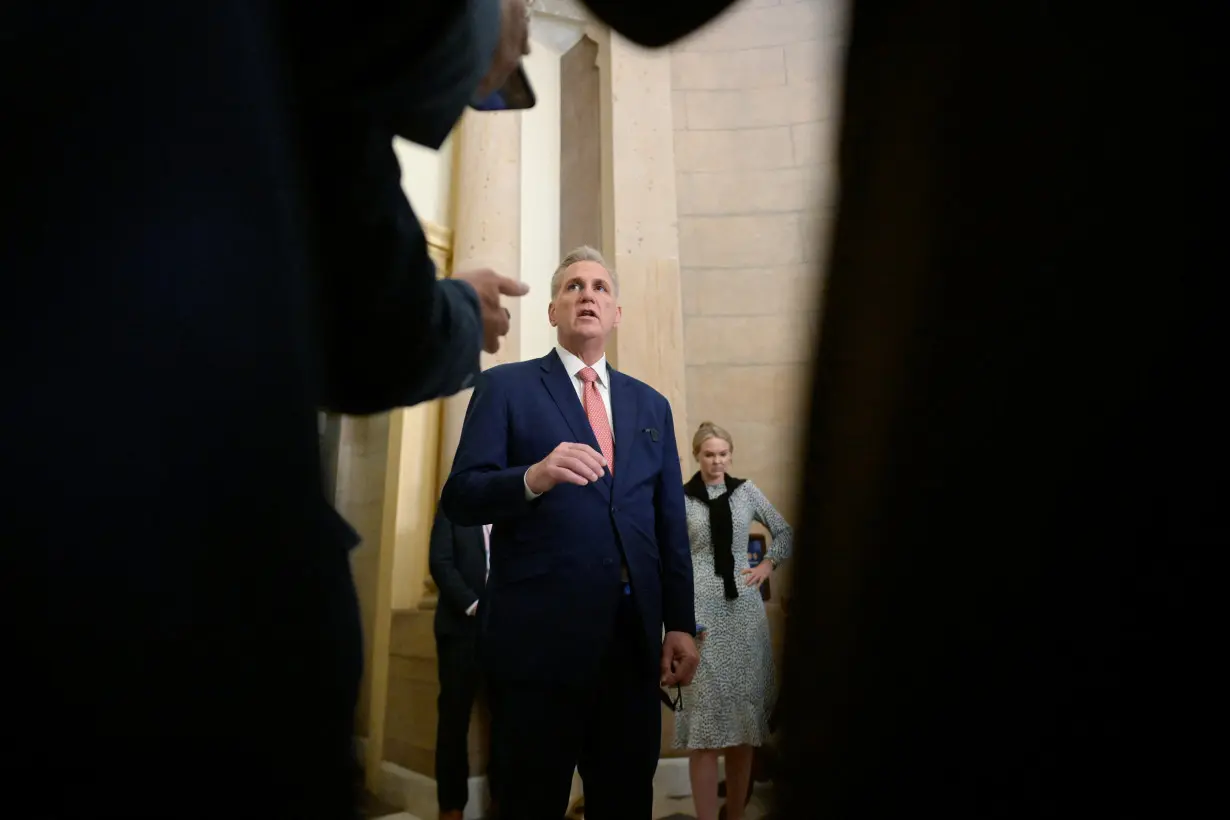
[511,287]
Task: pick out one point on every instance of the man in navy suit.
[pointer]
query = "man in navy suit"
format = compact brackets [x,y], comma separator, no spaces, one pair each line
[458,563]
[575,464]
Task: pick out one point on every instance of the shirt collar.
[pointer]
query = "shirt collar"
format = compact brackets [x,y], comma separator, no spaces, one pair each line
[574,365]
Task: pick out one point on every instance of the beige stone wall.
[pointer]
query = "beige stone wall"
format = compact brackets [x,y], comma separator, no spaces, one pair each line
[755,104]
[754,101]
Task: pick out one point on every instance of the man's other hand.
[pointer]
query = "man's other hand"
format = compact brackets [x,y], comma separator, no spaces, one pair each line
[679,659]
[490,286]
[568,463]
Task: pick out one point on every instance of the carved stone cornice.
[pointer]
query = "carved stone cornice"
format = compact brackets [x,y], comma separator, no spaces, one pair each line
[558,24]
[562,9]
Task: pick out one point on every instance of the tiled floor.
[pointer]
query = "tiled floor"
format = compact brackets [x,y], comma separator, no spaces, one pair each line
[673,808]
[668,808]
[374,808]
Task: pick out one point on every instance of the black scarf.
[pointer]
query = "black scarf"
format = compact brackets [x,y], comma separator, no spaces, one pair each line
[721,528]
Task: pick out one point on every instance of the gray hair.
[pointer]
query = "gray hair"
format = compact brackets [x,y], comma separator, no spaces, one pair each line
[584,253]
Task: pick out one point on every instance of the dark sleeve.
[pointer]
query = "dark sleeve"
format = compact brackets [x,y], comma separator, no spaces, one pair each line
[390,333]
[483,487]
[442,563]
[407,67]
[656,24]
[678,606]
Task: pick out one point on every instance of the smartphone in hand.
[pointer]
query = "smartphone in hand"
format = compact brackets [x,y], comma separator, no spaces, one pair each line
[515,95]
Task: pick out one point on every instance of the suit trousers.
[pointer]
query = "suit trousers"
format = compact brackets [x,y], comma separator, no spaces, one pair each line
[460,682]
[609,728]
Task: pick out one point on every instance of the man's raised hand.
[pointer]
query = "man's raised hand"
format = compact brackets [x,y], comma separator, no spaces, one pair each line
[569,463]
[490,286]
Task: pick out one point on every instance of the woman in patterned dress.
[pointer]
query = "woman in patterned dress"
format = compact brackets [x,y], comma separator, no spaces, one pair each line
[726,709]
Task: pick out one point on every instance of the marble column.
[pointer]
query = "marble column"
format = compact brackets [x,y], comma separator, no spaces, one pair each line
[640,223]
[486,234]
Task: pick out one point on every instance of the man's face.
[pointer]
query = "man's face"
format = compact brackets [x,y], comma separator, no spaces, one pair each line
[584,308]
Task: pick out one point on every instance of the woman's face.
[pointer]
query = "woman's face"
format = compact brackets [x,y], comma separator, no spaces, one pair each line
[714,458]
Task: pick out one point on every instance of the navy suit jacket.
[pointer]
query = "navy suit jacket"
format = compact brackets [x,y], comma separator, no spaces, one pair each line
[555,561]
[457,560]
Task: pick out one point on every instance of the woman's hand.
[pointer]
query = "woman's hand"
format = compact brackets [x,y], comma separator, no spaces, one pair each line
[759,574]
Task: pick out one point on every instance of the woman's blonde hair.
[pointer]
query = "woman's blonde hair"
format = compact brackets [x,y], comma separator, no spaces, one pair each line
[706,431]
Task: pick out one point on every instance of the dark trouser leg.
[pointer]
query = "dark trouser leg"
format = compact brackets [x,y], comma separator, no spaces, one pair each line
[325,779]
[493,762]
[619,754]
[459,679]
[301,699]
[535,734]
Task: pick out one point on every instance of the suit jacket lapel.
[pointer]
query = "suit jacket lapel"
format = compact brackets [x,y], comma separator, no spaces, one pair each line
[559,385]
[623,410]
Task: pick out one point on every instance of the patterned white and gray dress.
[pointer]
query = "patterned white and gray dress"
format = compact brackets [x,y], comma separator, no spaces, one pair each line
[735,687]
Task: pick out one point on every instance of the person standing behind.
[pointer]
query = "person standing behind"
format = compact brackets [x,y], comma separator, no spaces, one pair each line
[458,560]
[731,699]
[576,466]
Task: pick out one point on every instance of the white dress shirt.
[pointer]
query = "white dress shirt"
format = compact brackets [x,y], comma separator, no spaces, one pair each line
[574,366]
[472,608]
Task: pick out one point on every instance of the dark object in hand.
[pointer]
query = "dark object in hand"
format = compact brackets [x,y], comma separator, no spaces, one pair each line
[757,549]
[515,95]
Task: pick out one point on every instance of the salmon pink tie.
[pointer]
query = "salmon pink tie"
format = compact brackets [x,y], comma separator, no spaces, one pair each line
[596,410]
